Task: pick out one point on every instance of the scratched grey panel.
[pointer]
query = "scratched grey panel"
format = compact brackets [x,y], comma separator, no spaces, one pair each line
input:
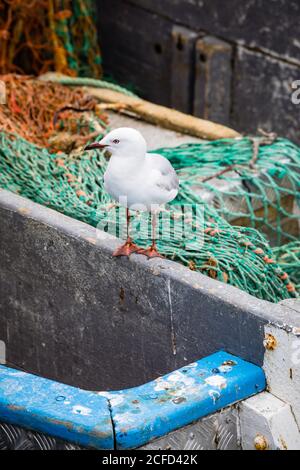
[215,432]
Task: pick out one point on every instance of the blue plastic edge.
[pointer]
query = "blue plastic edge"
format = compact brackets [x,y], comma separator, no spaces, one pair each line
[56,409]
[152,410]
[127,418]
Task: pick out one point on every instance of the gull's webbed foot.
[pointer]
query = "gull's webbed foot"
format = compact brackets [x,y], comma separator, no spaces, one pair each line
[150,252]
[126,249]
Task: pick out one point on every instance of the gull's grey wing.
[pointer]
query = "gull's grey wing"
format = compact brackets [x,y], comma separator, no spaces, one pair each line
[165,175]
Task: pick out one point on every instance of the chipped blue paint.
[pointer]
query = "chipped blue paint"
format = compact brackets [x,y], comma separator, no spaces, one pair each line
[66,412]
[152,410]
[132,417]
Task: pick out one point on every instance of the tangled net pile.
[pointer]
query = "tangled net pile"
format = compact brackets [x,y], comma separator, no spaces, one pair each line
[260,190]
[288,257]
[42,35]
[249,182]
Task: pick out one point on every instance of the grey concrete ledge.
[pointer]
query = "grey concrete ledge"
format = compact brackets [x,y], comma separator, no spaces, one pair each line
[72,312]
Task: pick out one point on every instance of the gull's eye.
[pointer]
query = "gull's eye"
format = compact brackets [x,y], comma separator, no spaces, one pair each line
[116,141]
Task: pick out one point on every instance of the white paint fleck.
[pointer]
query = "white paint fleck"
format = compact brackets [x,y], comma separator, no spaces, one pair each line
[125,418]
[214,394]
[82,410]
[191,366]
[117,400]
[216,381]
[296,43]
[161,385]
[107,395]
[18,374]
[174,350]
[225,369]
[180,377]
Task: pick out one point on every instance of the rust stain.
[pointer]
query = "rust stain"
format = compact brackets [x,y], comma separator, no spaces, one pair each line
[260,442]
[24,210]
[122,294]
[91,240]
[16,407]
[270,342]
[229,363]
[283,443]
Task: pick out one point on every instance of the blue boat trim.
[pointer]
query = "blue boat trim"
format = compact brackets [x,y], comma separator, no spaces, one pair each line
[152,410]
[56,409]
[127,418]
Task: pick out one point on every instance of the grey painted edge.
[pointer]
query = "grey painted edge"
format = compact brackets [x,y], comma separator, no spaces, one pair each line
[277,314]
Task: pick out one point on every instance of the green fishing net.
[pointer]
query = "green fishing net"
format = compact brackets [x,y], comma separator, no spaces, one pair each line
[288,257]
[263,195]
[214,244]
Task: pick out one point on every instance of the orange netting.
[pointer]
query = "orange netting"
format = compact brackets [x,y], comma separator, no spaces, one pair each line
[41,35]
[38,111]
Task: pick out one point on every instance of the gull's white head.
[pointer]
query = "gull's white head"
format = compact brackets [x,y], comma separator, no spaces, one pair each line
[122,142]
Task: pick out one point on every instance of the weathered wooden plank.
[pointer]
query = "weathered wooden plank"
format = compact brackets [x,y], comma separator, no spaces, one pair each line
[147,81]
[136,37]
[272,25]
[262,93]
[182,68]
[213,70]
[136,48]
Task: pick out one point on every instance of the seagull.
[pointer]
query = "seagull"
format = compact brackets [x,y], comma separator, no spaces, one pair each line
[137,180]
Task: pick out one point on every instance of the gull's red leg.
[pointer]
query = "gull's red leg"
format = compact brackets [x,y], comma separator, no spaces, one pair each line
[151,252]
[128,247]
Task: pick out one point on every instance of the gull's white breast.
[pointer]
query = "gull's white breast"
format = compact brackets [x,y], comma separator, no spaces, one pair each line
[146,182]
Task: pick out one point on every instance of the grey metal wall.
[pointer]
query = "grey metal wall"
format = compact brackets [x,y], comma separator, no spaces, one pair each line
[234,62]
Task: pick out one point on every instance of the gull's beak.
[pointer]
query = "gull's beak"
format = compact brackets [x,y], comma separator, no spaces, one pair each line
[95,145]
